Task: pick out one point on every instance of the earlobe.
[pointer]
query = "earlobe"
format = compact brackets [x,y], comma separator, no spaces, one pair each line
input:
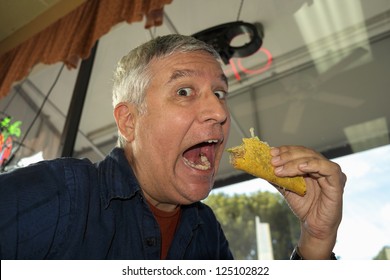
[125,117]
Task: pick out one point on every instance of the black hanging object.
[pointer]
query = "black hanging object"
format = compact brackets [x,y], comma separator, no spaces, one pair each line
[221,36]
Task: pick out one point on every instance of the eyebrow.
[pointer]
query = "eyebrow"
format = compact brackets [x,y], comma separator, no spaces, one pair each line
[177,74]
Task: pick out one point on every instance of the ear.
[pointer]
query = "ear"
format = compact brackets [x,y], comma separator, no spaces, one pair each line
[125,115]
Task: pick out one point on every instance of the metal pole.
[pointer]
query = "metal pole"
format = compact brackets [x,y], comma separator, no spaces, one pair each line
[71,127]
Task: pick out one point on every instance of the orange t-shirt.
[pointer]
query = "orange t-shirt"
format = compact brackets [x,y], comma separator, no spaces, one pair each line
[168,222]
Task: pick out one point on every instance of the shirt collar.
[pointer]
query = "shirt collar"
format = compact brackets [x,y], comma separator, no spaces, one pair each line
[116,178]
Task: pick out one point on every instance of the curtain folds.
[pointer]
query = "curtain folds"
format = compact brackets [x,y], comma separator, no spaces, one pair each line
[72,37]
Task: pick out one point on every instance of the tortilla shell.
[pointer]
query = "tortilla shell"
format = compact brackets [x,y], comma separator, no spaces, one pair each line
[253,156]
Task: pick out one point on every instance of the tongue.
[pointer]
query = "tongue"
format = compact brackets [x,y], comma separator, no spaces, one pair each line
[200,156]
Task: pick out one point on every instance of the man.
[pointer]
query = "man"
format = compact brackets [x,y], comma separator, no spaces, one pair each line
[142,200]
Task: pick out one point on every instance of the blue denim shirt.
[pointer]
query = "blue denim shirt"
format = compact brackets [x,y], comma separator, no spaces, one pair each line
[73,209]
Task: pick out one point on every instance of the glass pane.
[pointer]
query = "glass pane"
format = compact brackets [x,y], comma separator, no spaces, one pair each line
[40,104]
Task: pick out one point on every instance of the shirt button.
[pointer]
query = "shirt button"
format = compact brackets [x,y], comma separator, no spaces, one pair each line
[151,241]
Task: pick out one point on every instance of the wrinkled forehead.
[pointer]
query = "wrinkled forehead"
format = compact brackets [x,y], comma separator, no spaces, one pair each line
[183,73]
[188,64]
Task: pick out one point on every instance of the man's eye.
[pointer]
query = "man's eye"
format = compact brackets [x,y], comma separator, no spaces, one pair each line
[184,92]
[220,94]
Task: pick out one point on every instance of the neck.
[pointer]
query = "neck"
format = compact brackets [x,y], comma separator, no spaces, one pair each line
[163,206]
[166,207]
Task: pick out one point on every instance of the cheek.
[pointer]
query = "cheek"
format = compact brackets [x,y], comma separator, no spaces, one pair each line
[173,125]
[162,134]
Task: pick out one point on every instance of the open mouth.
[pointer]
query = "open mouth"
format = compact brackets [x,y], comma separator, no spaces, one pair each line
[201,156]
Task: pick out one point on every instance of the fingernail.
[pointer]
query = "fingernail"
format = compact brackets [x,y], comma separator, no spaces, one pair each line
[278,169]
[275,159]
[303,165]
[274,151]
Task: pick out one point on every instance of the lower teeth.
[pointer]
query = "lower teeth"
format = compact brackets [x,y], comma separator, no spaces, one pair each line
[205,163]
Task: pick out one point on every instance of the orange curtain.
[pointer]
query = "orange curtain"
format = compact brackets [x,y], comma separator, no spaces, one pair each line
[72,37]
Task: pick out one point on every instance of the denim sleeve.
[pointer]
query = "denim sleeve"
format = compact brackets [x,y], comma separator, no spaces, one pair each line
[32,201]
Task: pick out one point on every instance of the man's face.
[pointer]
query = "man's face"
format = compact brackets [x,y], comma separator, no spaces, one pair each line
[179,141]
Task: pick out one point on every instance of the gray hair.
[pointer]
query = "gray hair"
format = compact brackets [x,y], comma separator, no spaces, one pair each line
[132,75]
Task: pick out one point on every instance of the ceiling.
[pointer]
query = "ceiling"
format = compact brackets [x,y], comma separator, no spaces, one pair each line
[21,19]
[326,87]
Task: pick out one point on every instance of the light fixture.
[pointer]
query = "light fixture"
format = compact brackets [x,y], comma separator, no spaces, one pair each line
[221,37]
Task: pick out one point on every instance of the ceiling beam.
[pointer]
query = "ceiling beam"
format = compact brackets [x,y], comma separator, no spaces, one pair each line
[37,24]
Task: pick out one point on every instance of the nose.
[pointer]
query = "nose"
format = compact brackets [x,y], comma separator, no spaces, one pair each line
[213,109]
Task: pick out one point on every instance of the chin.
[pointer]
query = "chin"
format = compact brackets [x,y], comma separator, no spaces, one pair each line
[198,193]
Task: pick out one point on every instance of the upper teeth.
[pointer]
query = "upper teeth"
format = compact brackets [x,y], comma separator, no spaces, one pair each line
[212,141]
